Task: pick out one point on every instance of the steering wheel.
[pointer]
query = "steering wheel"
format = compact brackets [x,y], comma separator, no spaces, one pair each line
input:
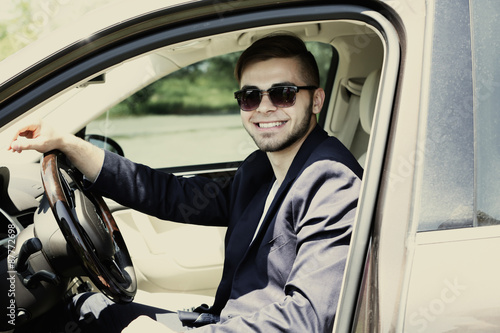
[89,228]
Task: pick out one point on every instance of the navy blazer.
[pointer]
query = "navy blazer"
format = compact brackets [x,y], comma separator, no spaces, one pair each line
[289,277]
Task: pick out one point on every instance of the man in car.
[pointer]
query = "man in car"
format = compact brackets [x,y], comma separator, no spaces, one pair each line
[289,208]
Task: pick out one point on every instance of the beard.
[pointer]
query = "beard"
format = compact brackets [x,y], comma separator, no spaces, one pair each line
[269,144]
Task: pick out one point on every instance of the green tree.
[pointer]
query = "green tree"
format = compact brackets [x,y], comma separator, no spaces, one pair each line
[13,30]
[25,21]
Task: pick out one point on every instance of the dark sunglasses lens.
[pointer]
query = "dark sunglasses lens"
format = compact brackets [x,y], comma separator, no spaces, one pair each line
[249,99]
[283,97]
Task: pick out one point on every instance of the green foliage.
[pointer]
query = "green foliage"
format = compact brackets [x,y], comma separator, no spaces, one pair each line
[24,21]
[323,54]
[13,30]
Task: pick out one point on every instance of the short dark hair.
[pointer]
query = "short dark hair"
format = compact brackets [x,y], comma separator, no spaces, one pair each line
[280,45]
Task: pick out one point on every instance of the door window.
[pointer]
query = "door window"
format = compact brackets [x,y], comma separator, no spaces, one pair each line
[459,186]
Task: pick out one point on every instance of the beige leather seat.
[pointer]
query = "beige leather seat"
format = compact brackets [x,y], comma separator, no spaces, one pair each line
[347,116]
[367,102]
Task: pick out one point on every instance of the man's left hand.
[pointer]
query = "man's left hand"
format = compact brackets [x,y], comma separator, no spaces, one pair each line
[146,324]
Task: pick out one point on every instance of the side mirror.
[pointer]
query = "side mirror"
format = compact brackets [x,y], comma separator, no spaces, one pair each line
[104,143]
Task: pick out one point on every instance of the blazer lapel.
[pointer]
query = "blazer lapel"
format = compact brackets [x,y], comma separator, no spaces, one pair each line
[317,136]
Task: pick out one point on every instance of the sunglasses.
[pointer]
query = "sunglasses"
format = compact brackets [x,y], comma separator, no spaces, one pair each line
[281,96]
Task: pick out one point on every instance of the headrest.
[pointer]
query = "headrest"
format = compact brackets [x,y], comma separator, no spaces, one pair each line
[355,85]
[368,99]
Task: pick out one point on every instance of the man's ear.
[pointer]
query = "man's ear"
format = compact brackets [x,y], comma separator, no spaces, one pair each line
[318,100]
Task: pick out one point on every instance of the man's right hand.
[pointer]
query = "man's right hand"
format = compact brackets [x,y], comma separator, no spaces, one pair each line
[43,138]
[38,136]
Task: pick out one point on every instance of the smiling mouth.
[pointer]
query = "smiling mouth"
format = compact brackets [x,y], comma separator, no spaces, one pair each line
[271,125]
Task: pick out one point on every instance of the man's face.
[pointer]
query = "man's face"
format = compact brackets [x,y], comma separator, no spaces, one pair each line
[272,128]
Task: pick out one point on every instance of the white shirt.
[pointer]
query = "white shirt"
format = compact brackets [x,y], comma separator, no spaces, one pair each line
[270,198]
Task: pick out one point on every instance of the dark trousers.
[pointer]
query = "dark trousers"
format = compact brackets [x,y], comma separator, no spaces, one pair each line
[95,313]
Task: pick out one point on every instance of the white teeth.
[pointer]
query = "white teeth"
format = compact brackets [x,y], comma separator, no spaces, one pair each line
[269,125]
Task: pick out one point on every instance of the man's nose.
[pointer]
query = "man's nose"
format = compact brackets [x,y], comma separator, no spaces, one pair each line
[265,103]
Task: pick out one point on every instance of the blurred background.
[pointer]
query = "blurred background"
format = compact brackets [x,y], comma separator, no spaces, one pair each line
[24,21]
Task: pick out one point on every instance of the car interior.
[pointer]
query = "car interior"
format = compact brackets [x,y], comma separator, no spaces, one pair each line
[179,266]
